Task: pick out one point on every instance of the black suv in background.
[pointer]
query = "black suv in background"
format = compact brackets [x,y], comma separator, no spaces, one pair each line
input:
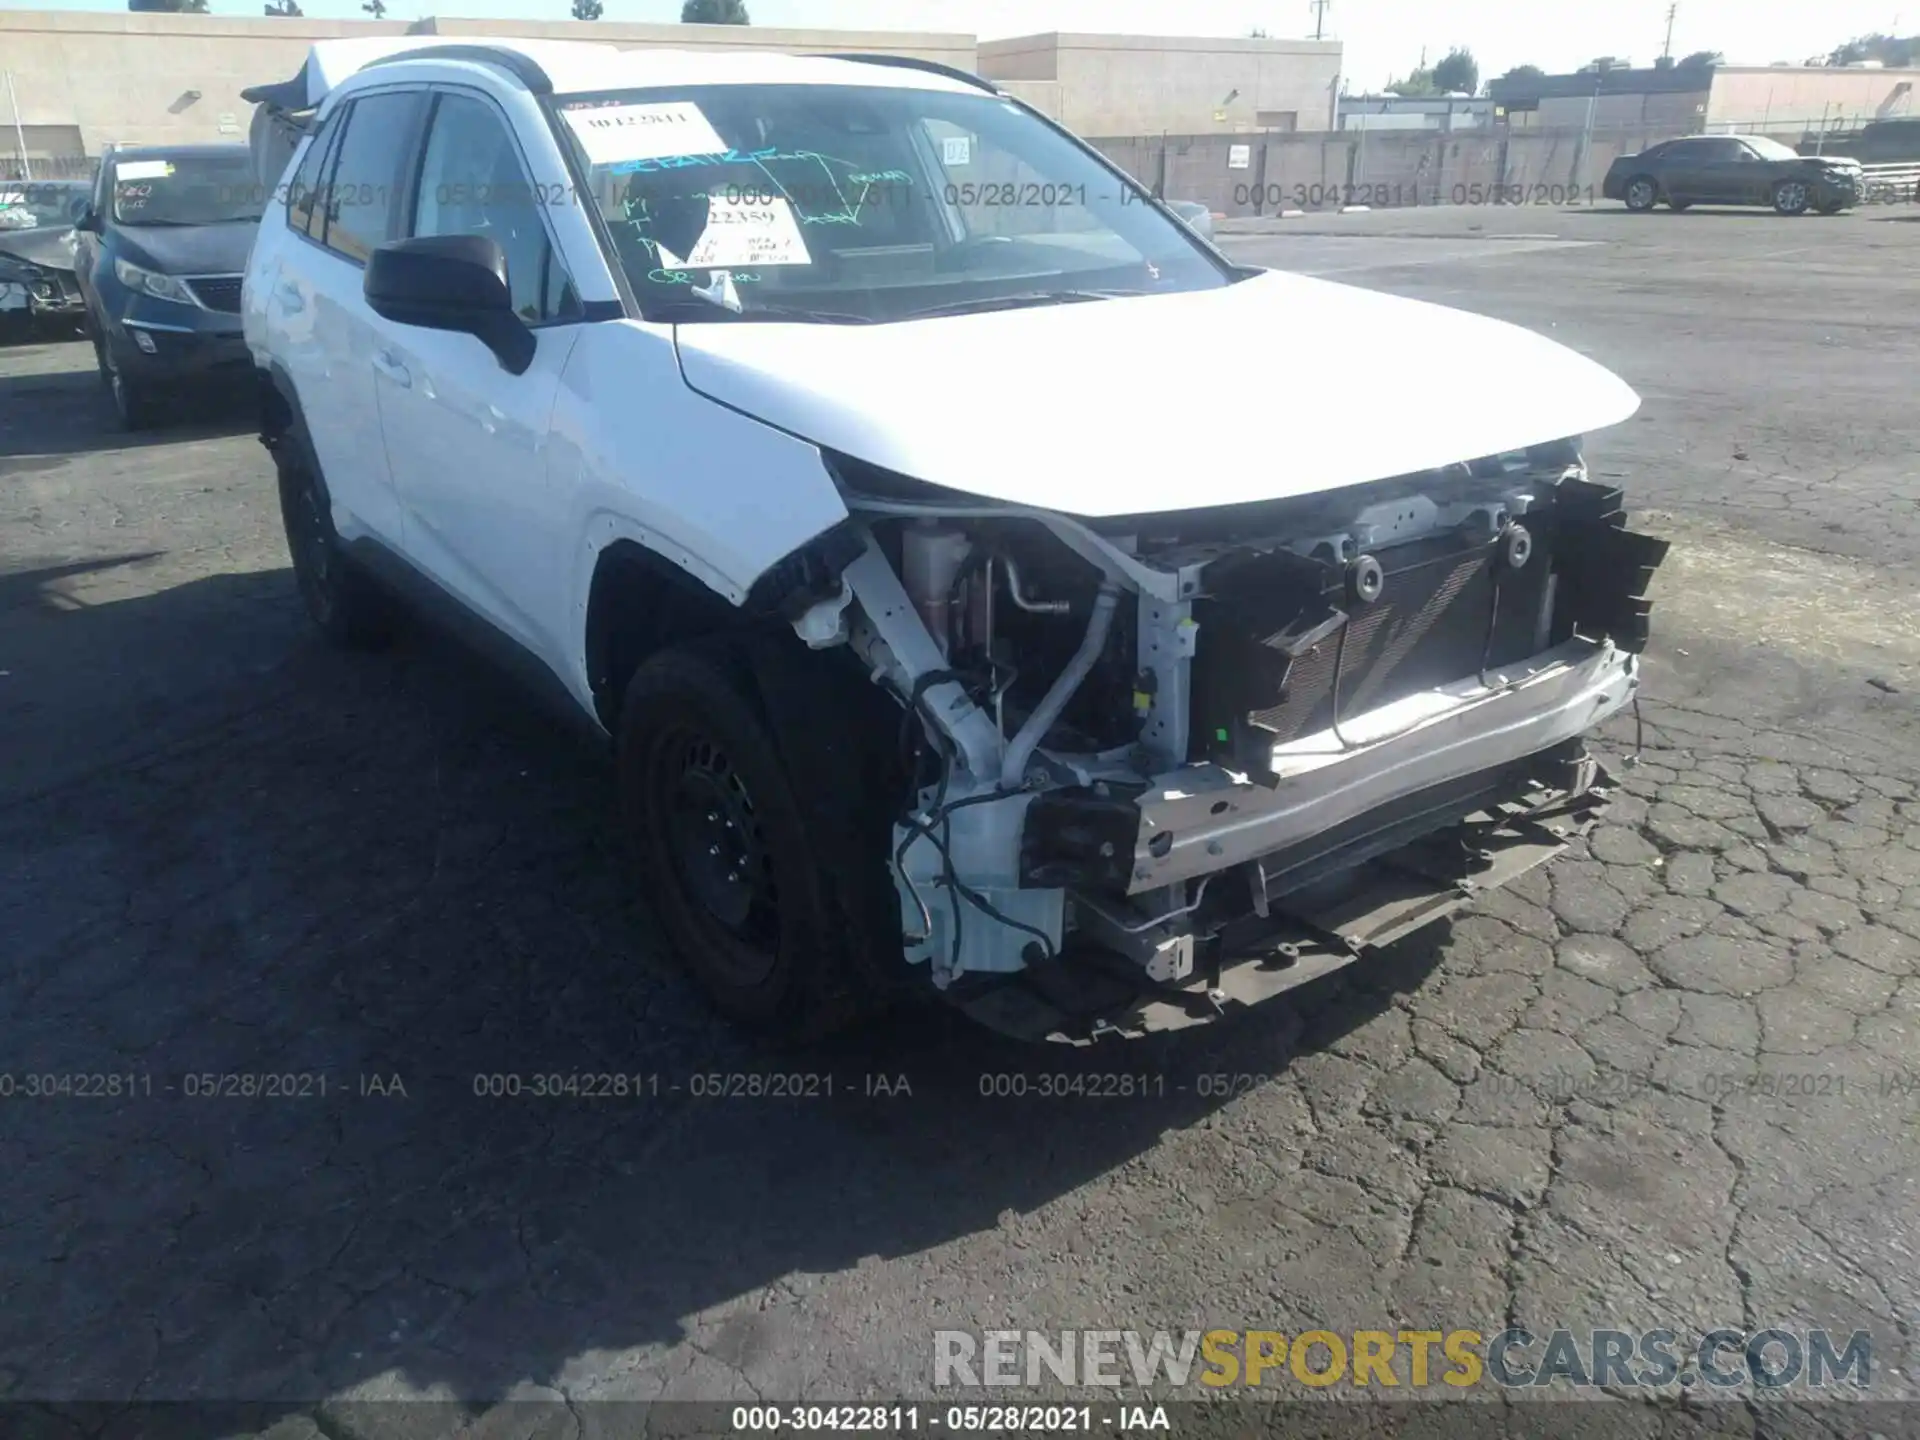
[162,249]
[1734,170]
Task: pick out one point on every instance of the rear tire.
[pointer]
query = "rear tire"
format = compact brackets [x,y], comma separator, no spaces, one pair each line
[744,894]
[1678,205]
[1641,193]
[340,598]
[1791,197]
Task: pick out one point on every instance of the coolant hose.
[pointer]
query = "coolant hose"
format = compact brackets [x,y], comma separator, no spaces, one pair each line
[1013,770]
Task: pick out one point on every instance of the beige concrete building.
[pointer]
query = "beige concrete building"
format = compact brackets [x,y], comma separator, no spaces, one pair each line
[1763,97]
[1783,100]
[85,79]
[1103,85]
[82,80]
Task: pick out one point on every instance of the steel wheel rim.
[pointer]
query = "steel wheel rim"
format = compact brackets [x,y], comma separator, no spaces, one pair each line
[1793,195]
[1640,192]
[717,846]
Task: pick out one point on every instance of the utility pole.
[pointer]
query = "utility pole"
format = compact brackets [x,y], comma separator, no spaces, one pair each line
[1666,51]
[19,131]
[1319,8]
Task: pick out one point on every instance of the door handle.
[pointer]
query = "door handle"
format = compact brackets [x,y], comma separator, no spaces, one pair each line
[384,362]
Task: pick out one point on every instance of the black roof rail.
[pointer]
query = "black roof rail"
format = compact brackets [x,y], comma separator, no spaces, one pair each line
[909,62]
[513,62]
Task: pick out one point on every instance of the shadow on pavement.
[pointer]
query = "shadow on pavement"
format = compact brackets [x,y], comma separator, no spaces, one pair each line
[392,882]
[67,412]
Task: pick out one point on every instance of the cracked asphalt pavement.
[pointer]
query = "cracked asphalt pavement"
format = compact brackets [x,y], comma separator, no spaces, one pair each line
[1669,1081]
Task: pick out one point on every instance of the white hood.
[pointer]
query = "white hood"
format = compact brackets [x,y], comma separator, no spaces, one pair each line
[1275,387]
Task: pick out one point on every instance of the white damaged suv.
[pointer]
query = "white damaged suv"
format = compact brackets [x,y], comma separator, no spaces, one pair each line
[987,588]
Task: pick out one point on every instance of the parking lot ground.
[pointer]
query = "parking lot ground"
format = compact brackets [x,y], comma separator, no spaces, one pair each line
[1669,1082]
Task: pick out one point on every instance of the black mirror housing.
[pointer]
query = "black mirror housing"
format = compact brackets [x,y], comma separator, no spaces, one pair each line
[450,282]
[87,218]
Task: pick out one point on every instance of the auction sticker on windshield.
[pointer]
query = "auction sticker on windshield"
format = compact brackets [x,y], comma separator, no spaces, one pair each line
[748,232]
[143,170]
[611,134]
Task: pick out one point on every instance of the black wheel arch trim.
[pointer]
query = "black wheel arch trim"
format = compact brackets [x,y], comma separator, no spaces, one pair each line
[279,432]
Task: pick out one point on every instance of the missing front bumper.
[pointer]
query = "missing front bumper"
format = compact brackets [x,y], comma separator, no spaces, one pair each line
[1205,818]
[1350,897]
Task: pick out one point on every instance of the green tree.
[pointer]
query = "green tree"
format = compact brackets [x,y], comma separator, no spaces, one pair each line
[1889,50]
[714,12]
[170,7]
[588,9]
[1457,70]
[376,8]
[1419,83]
[284,9]
[1702,60]
[1525,74]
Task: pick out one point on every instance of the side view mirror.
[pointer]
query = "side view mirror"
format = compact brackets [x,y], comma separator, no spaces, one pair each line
[451,282]
[86,218]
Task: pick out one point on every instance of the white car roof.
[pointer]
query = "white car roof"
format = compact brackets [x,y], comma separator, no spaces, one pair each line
[575,66]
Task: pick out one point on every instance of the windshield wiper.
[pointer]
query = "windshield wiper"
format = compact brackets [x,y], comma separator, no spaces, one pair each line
[1024,299]
[678,310]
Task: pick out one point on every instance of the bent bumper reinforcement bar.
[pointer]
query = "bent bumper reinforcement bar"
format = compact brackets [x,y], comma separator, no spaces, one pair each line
[1338,917]
[1205,818]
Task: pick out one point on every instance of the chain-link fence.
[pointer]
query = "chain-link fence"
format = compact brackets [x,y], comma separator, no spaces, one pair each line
[1266,174]
[56,167]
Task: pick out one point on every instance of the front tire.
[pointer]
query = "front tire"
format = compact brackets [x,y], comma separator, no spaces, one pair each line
[745,897]
[1791,197]
[134,406]
[1830,207]
[1641,194]
[1679,205]
[340,599]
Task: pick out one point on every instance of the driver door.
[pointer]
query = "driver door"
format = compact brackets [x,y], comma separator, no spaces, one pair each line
[1721,172]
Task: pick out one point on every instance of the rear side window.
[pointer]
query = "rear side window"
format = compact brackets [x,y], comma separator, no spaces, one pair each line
[303,196]
[363,188]
[1713,152]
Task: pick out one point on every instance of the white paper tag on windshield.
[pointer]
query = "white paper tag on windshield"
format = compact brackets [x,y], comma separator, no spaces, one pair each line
[748,232]
[613,133]
[143,170]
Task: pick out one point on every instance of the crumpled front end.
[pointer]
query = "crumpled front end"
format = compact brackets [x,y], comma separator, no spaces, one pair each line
[34,289]
[1173,764]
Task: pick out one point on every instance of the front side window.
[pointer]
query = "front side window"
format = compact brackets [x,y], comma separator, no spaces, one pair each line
[363,184]
[862,203]
[185,189]
[473,183]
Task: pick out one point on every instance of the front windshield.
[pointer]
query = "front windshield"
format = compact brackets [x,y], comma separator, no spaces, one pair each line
[32,205]
[857,203]
[186,189]
[1772,149]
